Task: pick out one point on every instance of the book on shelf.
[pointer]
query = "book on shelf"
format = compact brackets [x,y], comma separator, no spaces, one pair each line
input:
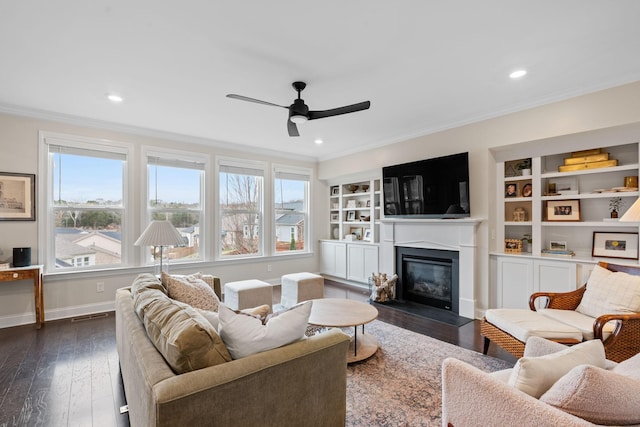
[558,252]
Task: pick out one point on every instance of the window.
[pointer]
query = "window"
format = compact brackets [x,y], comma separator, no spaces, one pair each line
[85,200]
[175,193]
[291,201]
[241,194]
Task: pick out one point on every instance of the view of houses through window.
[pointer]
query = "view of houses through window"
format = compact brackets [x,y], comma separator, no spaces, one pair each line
[87,206]
[175,194]
[290,210]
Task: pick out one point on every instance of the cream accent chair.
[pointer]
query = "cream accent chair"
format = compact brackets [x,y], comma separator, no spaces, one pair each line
[560,321]
[471,397]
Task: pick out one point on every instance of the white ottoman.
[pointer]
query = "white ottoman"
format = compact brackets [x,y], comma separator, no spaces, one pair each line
[247,294]
[298,287]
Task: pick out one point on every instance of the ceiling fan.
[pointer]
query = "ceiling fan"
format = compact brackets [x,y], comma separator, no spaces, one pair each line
[299,112]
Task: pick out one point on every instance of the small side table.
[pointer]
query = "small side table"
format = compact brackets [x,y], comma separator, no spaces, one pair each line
[24,273]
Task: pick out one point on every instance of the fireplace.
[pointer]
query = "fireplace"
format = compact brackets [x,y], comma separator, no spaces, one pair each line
[428,276]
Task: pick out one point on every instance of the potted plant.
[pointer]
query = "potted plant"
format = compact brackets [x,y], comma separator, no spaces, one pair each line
[525,167]
[615,205]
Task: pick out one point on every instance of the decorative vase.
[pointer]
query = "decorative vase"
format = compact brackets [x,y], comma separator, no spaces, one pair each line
[526,172]
[614,214]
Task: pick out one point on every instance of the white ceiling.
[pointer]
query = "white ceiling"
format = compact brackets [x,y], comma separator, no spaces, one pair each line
[424,65]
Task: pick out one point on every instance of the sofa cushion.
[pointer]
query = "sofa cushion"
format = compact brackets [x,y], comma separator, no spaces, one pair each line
[579,321]
[259,312]
[535,375]
[597,395]
[523,324]
[192,290]
[186,340]
[146,281]
[610,292]
[245,335]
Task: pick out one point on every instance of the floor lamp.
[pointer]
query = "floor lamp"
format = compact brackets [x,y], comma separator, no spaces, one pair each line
[160,234]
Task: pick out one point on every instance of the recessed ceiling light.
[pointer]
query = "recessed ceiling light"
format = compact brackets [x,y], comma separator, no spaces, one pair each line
[318,141]
[518,74]
[114,98]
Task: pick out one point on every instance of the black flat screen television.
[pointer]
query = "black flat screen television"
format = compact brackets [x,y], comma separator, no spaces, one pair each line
[430,188]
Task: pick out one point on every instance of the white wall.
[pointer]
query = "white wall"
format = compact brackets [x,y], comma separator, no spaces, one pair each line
[612,107]
[68,294]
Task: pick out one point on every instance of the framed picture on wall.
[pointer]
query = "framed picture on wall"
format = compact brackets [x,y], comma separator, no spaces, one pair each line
[17,197]
[615,245]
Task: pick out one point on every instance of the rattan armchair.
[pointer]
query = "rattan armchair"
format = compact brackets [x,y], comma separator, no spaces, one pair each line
[621,344]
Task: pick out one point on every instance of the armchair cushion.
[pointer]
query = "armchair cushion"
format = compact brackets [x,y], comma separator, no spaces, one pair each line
[597,395]
[579,321]
[610,292]
[535,375]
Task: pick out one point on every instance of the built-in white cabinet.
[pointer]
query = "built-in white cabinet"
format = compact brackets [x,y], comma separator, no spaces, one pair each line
[558,193]
[333,259]
[520,276]
[362,261]
[349,260]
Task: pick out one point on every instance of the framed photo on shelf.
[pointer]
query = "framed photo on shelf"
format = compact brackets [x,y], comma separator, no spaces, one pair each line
[557,245]
[511,190]
[335,191]
[512,246]
[351,215]
[367,235]
[563,210]
[356,231]
[335,217]
[566,185]
[615,245]
[527,190]
[17,197]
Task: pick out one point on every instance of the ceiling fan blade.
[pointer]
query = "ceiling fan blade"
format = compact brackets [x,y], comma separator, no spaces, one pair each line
[292,128]
[257,101]
[341,110]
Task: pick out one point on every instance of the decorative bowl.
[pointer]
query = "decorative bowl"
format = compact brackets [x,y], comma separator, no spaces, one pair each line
[364,187]
[353,188]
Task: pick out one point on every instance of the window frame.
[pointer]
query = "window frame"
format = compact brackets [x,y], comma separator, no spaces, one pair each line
[232,162]
[47,207]
[146,211]
[276,170]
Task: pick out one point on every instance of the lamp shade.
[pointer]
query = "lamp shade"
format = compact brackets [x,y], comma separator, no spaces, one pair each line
[632,214]
[160,233]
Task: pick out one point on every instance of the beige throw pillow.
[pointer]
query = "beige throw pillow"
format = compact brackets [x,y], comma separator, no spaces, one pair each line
[610,292]
[597,395]
[191,290]
[186,340]
[535,375]
[246,335]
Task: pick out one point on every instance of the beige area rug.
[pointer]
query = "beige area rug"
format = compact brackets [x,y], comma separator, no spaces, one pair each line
[400,385]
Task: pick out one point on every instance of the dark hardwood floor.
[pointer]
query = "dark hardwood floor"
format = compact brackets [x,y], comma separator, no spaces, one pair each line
[67,373]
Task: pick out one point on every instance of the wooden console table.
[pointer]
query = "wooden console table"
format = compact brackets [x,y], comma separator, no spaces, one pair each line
[24,273]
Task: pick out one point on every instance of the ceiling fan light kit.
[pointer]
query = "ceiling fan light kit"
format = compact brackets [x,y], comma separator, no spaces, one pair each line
[299,111]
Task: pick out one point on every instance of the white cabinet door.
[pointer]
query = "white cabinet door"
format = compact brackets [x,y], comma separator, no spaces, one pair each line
[514,282]
[553,276]
[333,260]
[362,262]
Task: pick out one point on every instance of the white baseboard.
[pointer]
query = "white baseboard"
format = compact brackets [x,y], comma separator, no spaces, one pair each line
[57,314]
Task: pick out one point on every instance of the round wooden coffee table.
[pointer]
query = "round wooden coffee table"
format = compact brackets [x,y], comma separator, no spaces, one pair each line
[344,313]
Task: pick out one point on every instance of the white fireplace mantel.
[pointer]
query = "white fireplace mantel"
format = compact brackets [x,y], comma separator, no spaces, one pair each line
[444,234]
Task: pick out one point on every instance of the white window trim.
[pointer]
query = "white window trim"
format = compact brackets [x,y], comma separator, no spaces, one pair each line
[266,194]
[205,218]
[281,168]
[46,229]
